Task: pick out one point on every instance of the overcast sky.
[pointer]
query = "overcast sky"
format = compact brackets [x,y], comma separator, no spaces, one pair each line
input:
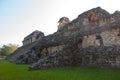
[18,18]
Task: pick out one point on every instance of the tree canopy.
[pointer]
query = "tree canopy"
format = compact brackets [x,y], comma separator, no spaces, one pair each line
[8,49]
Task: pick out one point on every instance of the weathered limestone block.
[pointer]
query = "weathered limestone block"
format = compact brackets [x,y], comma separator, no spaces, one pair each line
[89,41]
[111,37]
[54,49]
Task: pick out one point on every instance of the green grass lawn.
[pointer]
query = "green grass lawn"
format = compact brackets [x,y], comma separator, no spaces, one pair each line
[10,71]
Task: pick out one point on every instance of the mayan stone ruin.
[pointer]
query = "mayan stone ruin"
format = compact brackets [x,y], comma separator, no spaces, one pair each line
[92,39]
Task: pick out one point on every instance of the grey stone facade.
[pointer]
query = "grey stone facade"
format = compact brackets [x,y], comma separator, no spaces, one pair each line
[34,36]
[92,39]
[62,22]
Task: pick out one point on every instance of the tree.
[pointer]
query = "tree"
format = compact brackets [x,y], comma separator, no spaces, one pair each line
[8,49]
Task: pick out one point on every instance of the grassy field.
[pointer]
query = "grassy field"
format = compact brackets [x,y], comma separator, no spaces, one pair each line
[10,71]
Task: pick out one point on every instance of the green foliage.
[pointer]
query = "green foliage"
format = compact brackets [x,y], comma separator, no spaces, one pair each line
[7,49]
[10,71]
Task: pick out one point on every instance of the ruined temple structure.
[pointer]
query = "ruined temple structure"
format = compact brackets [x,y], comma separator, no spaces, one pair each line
[34,36]
[62,22]
[92,39]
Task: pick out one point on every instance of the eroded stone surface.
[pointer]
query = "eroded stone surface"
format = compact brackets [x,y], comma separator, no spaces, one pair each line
[92,39]
[34,36]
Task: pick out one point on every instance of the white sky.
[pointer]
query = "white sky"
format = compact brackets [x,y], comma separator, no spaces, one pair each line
[18,18]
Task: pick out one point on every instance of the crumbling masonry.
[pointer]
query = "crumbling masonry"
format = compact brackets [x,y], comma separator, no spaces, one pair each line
[92,39]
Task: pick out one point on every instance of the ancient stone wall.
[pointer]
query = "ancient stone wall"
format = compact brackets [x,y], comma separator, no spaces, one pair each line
[111,37]
[106,38]
[102,56]
[34,36]
[50,50]
[92,39]
[55,48]
[89,40]
[98,56]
